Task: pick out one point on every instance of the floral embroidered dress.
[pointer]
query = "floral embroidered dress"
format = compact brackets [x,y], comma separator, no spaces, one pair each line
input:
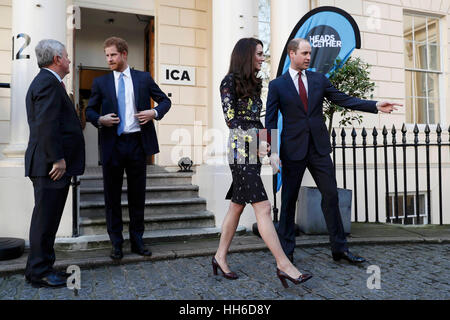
[242,116]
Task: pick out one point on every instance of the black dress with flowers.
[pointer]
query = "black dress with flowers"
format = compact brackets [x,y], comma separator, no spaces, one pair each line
[243,118]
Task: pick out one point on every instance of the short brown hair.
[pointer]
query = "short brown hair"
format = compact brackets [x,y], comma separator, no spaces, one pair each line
[121,45]
[294,44]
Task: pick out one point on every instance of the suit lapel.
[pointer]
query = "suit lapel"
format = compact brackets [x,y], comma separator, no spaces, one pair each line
[292,90]
[111,85]
[309,77]
[134,78]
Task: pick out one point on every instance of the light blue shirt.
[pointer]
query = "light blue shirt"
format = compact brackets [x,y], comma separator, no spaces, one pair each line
[54,73]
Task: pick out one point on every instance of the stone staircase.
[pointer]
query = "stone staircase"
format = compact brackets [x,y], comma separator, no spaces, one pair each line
[173,211]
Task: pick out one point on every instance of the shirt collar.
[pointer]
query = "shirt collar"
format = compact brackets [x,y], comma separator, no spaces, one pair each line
[294,73]
[54,73]
[126,73]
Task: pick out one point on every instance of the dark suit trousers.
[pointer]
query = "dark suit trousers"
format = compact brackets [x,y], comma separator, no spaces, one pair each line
[49,200]
[321,169]
[129,156]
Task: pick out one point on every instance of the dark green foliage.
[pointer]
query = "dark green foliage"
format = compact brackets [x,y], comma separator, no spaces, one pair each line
[352,79]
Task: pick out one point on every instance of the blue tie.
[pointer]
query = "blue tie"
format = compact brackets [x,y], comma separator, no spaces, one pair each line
[122,106]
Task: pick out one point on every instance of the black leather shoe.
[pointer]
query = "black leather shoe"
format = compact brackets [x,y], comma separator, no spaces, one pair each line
[116,253]
[347,255]
[61,273]
[141,250]
[52,280]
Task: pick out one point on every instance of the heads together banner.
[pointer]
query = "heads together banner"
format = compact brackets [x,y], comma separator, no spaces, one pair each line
[333,34]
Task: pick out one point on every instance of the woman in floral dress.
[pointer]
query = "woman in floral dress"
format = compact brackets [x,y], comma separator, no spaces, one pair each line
[240,93]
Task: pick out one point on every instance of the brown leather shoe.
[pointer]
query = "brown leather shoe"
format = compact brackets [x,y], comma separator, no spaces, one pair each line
[228,275]
[284,276]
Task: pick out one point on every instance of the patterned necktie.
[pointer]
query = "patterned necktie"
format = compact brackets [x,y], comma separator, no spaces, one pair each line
[302,92]
[121,103]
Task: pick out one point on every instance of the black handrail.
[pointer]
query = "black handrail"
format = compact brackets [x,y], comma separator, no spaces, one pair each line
[5,85]
[75,207]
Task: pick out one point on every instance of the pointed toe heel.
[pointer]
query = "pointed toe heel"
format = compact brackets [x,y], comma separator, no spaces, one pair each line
[228,275]
[214,265]
[283,281]
[284,276]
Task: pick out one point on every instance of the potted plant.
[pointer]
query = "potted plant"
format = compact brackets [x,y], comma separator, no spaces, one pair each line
[353,79]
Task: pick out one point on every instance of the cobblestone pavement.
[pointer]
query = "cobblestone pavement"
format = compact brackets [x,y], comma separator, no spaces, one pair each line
[408,271]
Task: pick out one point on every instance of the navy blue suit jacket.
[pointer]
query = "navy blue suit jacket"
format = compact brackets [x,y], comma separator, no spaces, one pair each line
[299,126]
[55,129]
[103,101]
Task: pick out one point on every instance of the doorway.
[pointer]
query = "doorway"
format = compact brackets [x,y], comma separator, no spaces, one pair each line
[89,59]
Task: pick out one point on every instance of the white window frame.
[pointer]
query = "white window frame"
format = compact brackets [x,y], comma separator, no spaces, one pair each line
[414,216]
[441,77]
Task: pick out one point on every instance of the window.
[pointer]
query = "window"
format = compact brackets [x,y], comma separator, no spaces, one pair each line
[410,209]
[422,68]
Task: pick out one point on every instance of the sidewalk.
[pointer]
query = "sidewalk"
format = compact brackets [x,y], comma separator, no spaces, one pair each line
[362,234]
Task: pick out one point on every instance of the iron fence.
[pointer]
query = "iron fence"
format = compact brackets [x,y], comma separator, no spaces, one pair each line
[391,169]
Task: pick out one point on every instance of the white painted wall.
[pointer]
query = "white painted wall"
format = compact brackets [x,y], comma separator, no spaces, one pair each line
[144,7]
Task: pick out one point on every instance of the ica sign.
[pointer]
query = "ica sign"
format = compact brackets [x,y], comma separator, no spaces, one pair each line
[180,75]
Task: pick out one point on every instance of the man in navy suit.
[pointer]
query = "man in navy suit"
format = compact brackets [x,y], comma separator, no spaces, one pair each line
[120,107]
[54,154]
[305,143]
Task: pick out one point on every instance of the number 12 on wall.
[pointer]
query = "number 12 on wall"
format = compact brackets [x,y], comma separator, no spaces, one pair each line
[19,55]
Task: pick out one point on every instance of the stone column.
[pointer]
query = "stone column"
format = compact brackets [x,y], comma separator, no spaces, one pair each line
[231,21]
[284,15]
[32,21]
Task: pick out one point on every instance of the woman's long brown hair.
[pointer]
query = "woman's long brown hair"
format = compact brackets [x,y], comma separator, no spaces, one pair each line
[242,66]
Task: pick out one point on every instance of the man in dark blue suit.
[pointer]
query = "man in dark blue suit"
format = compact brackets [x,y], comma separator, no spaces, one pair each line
[305,143]
[120,107]
[54,154]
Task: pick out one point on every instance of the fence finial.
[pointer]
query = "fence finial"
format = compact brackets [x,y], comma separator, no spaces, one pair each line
[439,132]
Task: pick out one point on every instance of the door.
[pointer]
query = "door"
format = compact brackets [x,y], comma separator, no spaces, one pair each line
[149,38]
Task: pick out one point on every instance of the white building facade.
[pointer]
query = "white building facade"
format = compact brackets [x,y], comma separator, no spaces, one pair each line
[406,42]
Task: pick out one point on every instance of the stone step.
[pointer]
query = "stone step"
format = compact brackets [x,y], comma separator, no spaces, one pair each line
[97,226]
[98,170]
[150,237]
[152,192]
[92,209]
[153,179]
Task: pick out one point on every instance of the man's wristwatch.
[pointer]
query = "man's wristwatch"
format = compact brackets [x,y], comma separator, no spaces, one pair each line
[99,123]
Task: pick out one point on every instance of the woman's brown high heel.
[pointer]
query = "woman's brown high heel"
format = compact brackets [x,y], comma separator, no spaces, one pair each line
[283,276]
[229,275]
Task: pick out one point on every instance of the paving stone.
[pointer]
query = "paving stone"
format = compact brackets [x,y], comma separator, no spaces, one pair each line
[408,271]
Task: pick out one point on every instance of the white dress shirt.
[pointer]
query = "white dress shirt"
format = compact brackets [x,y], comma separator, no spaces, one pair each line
[131,122]
[294,76]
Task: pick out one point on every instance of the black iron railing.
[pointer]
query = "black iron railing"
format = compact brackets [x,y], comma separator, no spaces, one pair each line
[391,169]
